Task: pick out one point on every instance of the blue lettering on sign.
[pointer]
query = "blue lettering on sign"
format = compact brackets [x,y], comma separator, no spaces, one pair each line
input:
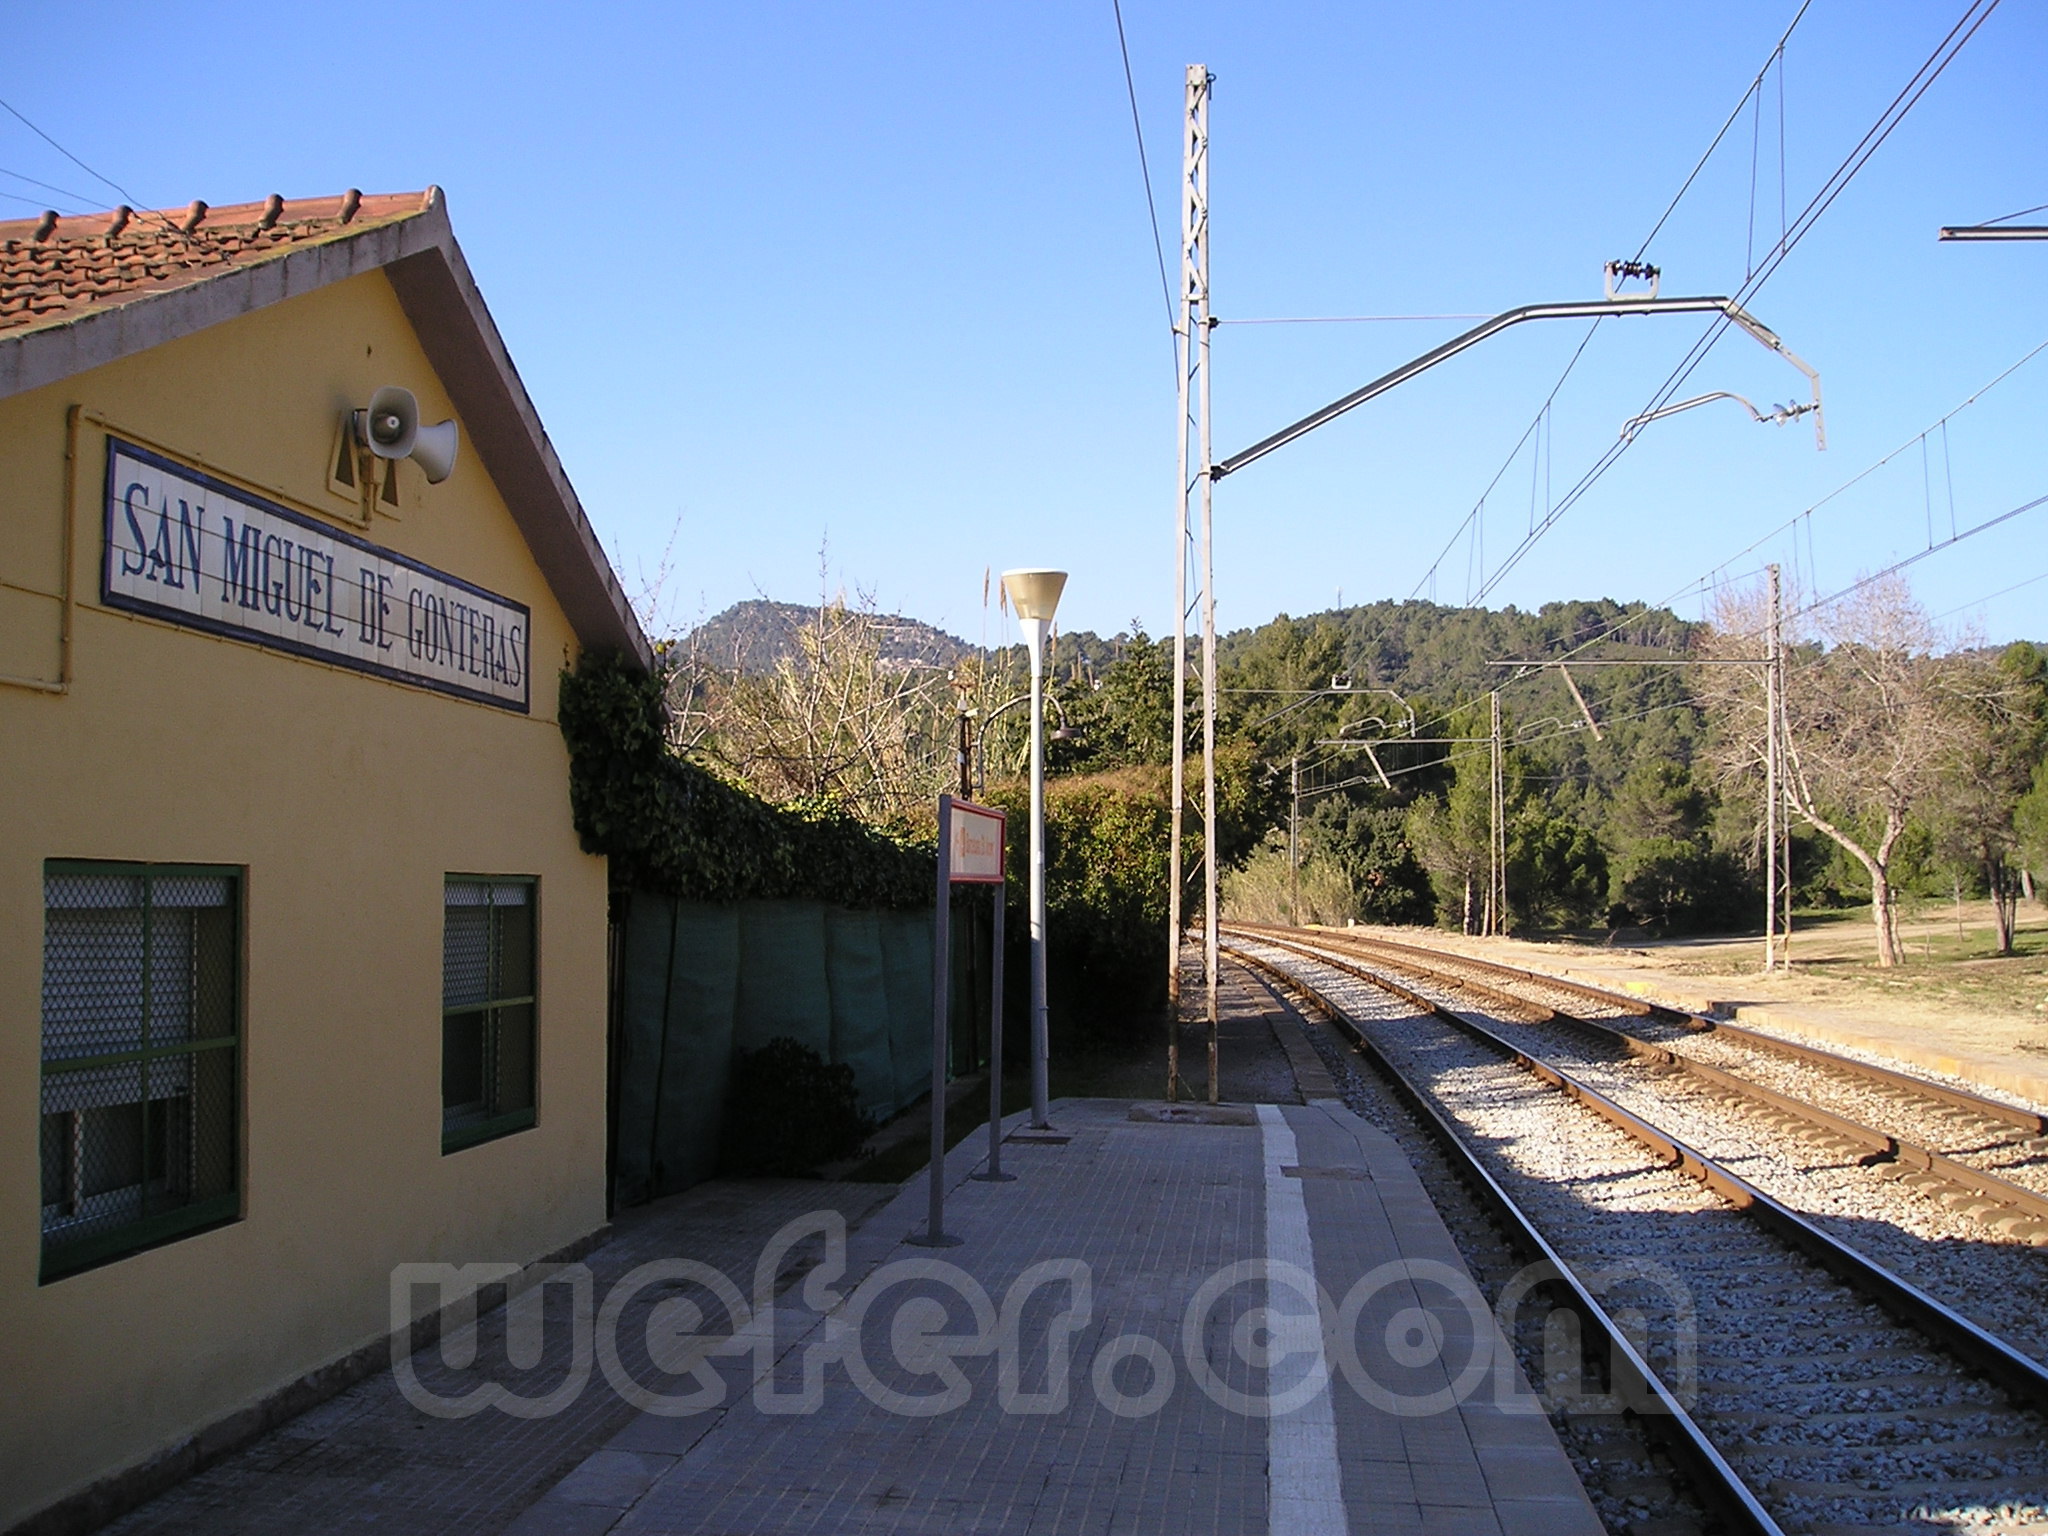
[240,557]
[328,626]
[189,541]
[313,590]
[134,528]
[171,556]
[272,598]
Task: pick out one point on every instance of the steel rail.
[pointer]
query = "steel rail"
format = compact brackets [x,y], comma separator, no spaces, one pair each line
[1630,1375]
[2015,1372]
[2030,1121]
[1878,1146]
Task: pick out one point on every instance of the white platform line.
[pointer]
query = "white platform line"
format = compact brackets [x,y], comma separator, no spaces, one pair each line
[1304,1485]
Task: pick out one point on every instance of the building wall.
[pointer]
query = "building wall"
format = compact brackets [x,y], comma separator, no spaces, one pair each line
[345,799]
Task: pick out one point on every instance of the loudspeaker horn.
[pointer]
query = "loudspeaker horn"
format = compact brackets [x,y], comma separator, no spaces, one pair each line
[391,424]
[433,450]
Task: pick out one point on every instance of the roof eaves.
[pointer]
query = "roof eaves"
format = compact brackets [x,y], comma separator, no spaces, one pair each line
[45,354]
[419,255]
[447,311]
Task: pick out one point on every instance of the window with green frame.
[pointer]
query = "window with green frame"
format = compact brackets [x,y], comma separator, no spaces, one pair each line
[487,1008]
[141,1057]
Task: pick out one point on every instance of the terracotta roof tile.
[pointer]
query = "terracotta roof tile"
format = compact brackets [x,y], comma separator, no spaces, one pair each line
[54,270]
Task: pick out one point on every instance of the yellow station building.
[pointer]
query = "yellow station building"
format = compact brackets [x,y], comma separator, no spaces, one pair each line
[302,971]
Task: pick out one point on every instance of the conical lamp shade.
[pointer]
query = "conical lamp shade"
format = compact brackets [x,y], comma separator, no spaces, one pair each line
[1034,594]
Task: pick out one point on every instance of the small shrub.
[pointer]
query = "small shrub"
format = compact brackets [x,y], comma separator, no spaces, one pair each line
[788,1110]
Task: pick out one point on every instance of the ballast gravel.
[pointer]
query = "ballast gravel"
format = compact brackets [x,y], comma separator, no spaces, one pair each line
[1772,1351]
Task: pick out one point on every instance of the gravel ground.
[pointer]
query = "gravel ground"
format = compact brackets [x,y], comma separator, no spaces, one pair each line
[1836,1415]
[1979,1141]
[1994,1279]
[1988,1144]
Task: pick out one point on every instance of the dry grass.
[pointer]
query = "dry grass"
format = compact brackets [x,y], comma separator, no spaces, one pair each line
[1952,994]
[1948,965]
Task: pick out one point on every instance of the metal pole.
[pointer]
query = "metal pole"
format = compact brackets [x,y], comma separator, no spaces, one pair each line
[934,1235]
[1194,238]
[1496,840]
[1034,634]
[1199,318]
[1771,784]
[1779,736]
[1294,844]
[995,1174]
[1190,320]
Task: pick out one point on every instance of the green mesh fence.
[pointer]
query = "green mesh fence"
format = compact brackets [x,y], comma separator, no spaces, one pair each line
[700,980]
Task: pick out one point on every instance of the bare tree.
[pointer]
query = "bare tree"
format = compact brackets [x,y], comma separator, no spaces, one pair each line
[1872,724]
[1976,819]
[832,721]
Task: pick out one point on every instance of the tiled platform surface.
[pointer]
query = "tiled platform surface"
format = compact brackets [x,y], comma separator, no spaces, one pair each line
[370,1458]
[1150,1211]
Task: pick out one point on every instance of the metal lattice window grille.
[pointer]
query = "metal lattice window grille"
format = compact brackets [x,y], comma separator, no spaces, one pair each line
[487,1008]
[140,1072]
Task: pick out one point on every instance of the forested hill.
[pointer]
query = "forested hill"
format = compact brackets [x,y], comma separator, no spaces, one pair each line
[756,635]
[1323,700]
[1629,788]
[1420,645]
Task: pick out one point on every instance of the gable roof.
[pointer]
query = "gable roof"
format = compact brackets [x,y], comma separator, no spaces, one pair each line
[79,293]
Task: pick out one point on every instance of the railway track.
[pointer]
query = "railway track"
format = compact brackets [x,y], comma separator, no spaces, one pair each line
[1972,1154]
[1821,1392]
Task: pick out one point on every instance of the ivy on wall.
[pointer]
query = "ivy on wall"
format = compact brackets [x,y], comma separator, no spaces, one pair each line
[671,826]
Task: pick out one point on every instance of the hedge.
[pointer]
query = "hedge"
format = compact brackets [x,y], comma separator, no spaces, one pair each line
[673,827]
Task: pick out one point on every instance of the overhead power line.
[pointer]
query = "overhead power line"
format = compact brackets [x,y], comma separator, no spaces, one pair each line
[1913,559]
[1755,86]
[1990,596]
[126,195]
[1707,579]
[95,175]
[1144,166]
[1908,97]
[77,197]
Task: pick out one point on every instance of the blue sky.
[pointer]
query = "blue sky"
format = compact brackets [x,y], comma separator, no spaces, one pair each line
[878,279]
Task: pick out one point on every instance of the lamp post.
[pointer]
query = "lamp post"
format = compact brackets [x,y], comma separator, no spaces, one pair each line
[1034,595]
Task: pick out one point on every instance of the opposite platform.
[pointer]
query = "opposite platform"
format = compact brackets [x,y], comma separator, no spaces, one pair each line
[1126,1339]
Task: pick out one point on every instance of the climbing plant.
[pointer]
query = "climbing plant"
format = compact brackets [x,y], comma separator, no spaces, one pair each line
[671,826]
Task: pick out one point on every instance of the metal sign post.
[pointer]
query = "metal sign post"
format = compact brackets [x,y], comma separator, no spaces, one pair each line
[971,841]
